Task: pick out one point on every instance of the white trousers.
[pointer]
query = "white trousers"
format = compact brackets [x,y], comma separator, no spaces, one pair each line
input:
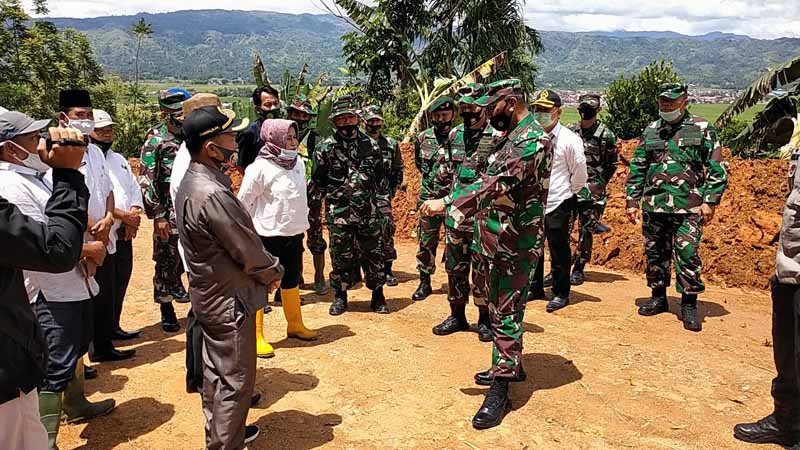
[20,425]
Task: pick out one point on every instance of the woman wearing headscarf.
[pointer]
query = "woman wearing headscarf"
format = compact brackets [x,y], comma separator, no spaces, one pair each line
[274,193]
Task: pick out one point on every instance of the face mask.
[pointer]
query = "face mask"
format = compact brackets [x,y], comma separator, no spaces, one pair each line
[104,146]
[587,113]
[471,118]
[85,126]
[173,120]
[374,129]
[545,119]
[227,155]
[274,113]
[288,155]
[33,161]
[502,121]
[348,131]
[671,116]
[302,126]
[442,127]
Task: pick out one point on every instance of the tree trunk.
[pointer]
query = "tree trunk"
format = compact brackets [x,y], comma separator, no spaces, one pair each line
[136,75]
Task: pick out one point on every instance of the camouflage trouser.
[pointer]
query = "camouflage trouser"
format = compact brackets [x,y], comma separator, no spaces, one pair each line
[508,288]
[459,256]
[678,234]
[169,268]
[388,229]
[587,216]
[429,228]
[354,247]
[314,241]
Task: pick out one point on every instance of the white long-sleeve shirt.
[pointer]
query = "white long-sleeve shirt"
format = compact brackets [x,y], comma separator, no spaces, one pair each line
[276,198]
[98,179]
[127,192]
[568,174]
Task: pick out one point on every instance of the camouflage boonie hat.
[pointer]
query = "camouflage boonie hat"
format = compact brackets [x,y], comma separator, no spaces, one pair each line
[443,103]
[344,105]
[590,100]
[673,91]
[301,103]
[500,90]
[470,93]
[173,98]
[372,112]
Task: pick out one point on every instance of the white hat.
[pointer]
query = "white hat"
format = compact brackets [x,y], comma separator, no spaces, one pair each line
[3,110]
[102,119]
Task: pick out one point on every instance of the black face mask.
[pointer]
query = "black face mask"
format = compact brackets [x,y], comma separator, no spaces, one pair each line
[302,126]
[227,155]
[348,132]
[104,146]
[587,113]
[274,113]
[502,121]
[442,127]
[374,129]
[471,118]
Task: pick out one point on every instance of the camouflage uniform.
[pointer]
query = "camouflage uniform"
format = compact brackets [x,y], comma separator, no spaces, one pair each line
[433,158]
[346,174]
[508,202]
[473,147]
[673,172]
[157,156]
[600,148]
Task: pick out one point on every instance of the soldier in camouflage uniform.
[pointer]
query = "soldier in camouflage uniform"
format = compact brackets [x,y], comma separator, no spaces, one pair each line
[346,171]
[302,113]
[157,156]
[472,142]
[508,201]
[677,178]
[600,148]
[433,158]
[391,182]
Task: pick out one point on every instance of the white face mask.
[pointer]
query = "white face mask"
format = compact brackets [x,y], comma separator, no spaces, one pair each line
[85,126]
[671,116]
[288,154]
[32,161]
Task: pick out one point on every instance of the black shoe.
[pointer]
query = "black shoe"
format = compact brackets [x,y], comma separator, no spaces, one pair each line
[255,400]
[766,431]
[89,372]
[494,407]
[656,305]
[689,316]
[536,293]
[557,303]
[391,280]
[267,309]
[112,355]
[451,325]
[122,335]
[601,228]
[251,433]
[424,290]
[339,305]
[169,321]
[577,278]
[485,333]
[179,294]
[378,303]
[548,280]
[486,378]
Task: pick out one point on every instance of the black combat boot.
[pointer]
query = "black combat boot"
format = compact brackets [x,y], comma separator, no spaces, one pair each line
[339,305]
[485,333]
[494,407]
[657,304]
[391,280]
[378,303]
[689,313]
[424,290]
[536,292]
[487,377]
[179,294]
[769,430]
[577,278]
[455,323]
[169,322]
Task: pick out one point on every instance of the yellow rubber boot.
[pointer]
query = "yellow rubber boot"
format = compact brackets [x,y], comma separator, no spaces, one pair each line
[294,318]
[263,349]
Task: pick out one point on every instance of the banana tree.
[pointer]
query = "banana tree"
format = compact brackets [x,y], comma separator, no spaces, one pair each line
[448,86]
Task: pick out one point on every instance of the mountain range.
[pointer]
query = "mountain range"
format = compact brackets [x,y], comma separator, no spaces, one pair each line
[202,45]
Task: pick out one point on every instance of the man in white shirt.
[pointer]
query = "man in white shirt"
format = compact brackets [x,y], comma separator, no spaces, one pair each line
[567,178]
[63,301]
[128,207]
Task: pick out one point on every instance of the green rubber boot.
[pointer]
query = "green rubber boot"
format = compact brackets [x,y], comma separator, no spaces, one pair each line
[77,408]
[50,412]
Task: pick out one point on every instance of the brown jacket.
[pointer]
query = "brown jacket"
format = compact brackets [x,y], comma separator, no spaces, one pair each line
[229,270]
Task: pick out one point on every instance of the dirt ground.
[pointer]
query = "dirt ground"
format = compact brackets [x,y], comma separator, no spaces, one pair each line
[599,375]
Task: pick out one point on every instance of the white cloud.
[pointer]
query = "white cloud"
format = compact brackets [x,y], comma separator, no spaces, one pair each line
[758,18]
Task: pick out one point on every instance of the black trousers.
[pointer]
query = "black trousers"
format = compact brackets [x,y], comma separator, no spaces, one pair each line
[786,350]
[67,328]
[104,305]
[123,272]
[557,228]
[289,251]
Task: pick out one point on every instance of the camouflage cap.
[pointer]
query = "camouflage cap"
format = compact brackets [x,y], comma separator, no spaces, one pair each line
[470,93]
[173,98]
[301,103]
[500,90]
[673,91]
[372,112]
[590,100]
[443,103]
[547,99]
[346,104]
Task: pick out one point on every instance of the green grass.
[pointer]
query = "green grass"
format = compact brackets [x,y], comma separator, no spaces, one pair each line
[708,110]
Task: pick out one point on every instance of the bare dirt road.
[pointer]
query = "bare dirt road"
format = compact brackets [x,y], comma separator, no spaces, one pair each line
[599,376]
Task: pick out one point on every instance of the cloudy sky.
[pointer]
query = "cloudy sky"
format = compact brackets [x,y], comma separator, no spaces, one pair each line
[758,18]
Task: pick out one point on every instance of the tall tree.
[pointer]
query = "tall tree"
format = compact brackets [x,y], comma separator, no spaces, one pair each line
[142,30]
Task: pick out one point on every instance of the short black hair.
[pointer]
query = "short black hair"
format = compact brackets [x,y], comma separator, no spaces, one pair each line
[195,145]
[264,89]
